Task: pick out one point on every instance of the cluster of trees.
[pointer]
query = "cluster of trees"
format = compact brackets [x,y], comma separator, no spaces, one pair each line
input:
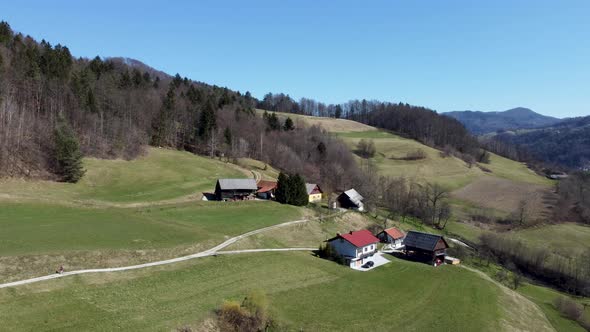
[366,148]
[250,315]
[570,273]
[572,310]
[574,198]
[273,122]
[291,190]
[428,202]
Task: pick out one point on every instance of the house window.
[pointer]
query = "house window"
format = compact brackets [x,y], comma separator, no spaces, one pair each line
[365,249]
[371,247]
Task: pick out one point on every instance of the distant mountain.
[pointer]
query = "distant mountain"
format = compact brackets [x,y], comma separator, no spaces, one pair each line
[566,143]
[480,123]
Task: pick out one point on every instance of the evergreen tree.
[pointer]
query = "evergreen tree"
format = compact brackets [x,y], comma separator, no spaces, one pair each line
[227,136]
[91,101]
[298,192]
[338,112]
[125,81]
[157,82]
[207,121]
[160,122]
[288,124]
[5,32]
[67,153]
[282,188]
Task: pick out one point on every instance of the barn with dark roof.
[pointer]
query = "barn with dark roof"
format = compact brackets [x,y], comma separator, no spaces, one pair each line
[235,189]
[426,247]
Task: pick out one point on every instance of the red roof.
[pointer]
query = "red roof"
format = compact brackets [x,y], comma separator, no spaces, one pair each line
[264,186]
[360,238]
[394,233]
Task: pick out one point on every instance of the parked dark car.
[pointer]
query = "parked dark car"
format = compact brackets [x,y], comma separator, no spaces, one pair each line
[368,264]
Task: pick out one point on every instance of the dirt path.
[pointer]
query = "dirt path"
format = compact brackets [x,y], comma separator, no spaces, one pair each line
[209,252]
[520,311]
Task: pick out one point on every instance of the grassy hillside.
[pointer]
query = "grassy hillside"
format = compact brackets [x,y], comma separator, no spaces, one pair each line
[305,293]
[451,172]
[123,212]
[158,176]
[562,238]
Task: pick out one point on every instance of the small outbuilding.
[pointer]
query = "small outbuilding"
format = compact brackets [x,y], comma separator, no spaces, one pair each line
[266,189]
[235,189]
[392,236]
[354,247]
[431,248]
[314,192]
[351,199]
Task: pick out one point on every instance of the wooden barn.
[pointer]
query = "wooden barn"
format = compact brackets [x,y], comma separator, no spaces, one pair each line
[235,189]
[351,199]
[426,247]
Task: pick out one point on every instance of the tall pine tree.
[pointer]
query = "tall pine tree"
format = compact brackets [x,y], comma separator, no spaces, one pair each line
[298,194]
[68,157]
[281,193]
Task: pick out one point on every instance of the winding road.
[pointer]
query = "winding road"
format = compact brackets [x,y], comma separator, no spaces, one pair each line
[209,252]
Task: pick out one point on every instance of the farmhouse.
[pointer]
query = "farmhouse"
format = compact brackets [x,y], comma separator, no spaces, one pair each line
[266,189]
[235,189]
[314,192]
[426,247]
[351,199]
[392,236]
[354,247]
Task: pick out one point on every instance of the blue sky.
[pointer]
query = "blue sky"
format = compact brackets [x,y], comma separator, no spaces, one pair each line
[447,55]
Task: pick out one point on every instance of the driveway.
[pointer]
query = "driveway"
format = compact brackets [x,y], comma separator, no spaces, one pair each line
[379,259]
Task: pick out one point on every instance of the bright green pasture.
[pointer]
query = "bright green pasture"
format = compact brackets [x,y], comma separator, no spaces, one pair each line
[306,293]
[160,175]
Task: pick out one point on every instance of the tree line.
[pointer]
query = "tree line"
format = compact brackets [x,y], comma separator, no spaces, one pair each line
[570,273]
[415,122]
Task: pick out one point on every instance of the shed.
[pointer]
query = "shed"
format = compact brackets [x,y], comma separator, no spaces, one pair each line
[235,189]
[392,236]
[266,189]
[432,247]
[351,199]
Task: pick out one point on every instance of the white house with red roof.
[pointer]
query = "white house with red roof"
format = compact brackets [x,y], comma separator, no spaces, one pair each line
[355,247]
[392,236]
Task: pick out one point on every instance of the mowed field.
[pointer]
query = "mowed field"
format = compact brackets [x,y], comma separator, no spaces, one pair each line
[306,293]
[123,213]
[450,171]
[159,176]
[561,238]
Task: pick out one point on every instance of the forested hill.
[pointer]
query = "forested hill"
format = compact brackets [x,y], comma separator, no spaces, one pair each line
[565,144]
[480,123]
[415,122]
[117,106]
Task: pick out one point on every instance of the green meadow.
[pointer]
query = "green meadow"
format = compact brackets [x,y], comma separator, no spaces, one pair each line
[306,293]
